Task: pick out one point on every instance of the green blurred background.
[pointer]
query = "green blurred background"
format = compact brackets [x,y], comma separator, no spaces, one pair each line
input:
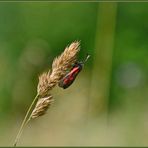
[107,104]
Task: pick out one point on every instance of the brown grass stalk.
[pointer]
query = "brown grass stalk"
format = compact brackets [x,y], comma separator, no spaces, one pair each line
[47,81]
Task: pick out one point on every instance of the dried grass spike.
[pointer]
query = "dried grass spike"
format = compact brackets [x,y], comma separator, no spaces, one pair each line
[47,81]
[59,68]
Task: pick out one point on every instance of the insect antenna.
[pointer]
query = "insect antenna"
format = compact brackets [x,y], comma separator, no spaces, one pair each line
[87,57]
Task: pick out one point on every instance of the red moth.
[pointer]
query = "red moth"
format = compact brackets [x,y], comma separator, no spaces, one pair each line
[67,80]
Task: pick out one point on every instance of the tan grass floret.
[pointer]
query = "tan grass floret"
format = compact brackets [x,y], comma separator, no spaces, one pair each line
[41,106]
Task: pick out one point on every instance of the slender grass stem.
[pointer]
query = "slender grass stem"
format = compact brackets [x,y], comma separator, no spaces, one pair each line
[25,121]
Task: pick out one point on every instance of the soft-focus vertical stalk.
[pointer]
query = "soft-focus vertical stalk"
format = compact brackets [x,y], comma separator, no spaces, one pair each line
[102,60]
